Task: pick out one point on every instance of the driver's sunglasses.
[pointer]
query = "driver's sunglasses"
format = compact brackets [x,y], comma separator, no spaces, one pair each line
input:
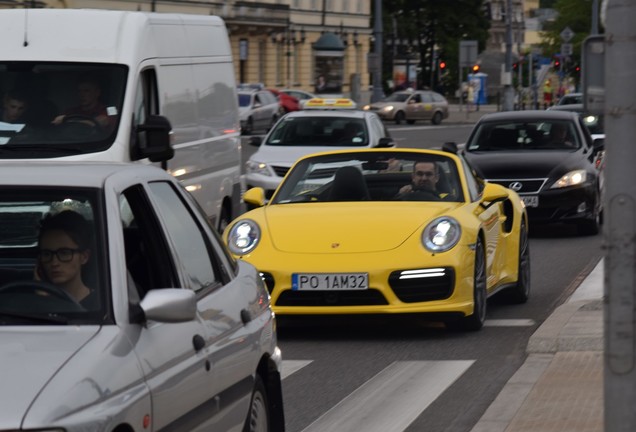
[62,254]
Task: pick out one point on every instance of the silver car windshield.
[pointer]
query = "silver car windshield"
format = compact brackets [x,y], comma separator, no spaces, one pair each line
[336,131]
[49,257]
[57,109]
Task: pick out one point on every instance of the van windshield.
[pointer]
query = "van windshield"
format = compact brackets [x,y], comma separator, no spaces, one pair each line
[58,109]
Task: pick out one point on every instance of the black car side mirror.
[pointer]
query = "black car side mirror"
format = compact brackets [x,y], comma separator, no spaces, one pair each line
[255,141]
[386,142]
[153,140]
[599,144]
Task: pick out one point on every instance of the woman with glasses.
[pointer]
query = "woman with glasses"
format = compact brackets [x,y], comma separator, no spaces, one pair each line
[63,251]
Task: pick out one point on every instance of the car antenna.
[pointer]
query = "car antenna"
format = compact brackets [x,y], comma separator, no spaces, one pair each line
[26,24]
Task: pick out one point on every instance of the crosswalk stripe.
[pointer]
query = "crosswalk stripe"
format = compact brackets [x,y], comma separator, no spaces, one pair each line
[391,400]
[509,323]
[291,366]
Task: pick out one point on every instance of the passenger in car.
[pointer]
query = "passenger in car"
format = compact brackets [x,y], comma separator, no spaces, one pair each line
[14,107]
[64,249]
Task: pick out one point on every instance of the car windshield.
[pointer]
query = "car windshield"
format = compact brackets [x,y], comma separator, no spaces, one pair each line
[244,99]
[571,99]
[320,131]
[58,109]
[397,97]
[524,135]
[49,258]
[372,176]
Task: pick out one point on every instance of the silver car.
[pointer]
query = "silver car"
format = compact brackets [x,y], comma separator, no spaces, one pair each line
[410,106]
[168,332]
[258,110]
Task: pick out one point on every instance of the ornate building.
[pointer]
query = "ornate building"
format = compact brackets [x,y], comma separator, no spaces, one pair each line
[273,41]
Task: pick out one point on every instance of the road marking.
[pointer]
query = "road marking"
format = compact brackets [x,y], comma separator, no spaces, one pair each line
[509,323]
[292,366]
[393,399]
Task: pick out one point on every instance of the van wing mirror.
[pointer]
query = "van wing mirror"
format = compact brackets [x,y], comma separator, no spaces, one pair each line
[153,140]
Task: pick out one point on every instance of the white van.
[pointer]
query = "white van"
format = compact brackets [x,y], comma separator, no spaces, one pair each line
[164,84]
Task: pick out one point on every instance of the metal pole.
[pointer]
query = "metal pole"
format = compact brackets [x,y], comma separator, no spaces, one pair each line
[594,17]
[508,101]
[377,71]
[620,209]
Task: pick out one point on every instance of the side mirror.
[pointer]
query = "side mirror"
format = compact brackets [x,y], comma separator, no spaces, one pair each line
[599,144]
[254,197]
[493,193]
[153,140]
[450,147]
[171,305]
[386,142]
[255,141]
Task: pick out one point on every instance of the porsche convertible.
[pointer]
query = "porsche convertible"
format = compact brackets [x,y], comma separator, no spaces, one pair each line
[374,231]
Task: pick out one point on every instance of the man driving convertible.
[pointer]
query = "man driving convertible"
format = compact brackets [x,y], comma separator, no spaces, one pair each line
[423,186]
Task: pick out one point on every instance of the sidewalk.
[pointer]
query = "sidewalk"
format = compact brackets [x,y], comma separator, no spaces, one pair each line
[559,388]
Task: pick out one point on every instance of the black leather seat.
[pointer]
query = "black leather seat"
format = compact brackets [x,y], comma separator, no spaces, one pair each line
[349,185]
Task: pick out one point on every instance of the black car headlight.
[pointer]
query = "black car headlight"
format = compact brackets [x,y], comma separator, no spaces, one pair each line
[243,237]
[441,234]
[572,178]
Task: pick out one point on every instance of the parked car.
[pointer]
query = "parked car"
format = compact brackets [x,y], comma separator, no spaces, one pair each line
[258,110]
[570,98]
[410,106]
[308,131]
[287,103]
[374,231]
[301,95]
[137,318]
[555,175]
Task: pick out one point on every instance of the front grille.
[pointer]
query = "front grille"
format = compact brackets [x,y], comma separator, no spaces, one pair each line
[280,170]
[412,286]
[368,297]
[526,186]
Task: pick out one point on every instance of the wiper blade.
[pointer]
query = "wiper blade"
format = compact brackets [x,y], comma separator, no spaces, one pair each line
[45,319]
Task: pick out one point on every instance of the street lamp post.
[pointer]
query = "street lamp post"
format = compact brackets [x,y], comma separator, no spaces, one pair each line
[288,39]
[377,69]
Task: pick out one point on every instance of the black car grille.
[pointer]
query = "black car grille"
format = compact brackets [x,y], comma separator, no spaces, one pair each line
[521,186]
[368,297]
[280,171]
[412,286]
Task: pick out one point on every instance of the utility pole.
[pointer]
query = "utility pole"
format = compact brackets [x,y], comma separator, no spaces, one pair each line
[620,210]
[594,17]
[377,50]
[509,97]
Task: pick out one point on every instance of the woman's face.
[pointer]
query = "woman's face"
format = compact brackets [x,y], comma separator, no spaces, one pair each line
[54,244]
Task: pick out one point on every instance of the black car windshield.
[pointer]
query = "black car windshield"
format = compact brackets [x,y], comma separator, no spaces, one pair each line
[58,109]
[525,135]
[320,131]
[372,176]
[50,261]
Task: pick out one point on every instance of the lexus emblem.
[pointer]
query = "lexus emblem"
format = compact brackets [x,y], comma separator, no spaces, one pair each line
[515,186]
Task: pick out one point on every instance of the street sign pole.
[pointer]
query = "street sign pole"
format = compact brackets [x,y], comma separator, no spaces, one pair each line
[620,227]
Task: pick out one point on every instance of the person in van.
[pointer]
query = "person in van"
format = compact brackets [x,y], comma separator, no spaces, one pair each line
[90,109]
[14,107]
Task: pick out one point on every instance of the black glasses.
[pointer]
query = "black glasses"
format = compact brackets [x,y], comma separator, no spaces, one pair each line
[425,173]
[62,254]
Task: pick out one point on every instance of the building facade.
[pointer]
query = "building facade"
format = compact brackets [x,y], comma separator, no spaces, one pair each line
[273,41]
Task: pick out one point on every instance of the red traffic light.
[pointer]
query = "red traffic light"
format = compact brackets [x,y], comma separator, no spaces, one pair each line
[442,65]
[476,68]
[557,63]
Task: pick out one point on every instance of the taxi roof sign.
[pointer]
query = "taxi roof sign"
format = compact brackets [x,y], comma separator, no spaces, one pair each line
[330,103]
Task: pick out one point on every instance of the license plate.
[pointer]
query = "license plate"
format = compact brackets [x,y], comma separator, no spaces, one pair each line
[329,281]
[530,200]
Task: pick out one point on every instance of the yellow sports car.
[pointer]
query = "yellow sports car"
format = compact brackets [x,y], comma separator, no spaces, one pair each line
[386,231]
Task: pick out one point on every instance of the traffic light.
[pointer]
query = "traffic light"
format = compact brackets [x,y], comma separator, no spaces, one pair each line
[442,65]
[557,63]
[475,68]
[515,65]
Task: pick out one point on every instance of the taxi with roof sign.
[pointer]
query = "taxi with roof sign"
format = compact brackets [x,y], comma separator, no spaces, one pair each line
[324,124]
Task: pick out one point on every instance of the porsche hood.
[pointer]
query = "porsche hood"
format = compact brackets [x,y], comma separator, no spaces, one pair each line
[344,228]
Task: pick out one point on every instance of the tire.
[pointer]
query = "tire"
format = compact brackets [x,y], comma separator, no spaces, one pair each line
[521,291]
[437,118]
[476,320]
[590,227]
[258,414]
[249,127]
[399,117]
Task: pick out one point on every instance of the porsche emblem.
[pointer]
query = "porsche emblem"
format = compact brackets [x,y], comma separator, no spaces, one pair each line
[335,245]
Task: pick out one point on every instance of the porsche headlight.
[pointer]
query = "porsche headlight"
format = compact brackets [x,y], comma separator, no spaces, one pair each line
[441,234]
[254,167]
[388,108]
[243,237]
[572,178]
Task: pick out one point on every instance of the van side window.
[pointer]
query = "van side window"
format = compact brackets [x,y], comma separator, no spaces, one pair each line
[146,99]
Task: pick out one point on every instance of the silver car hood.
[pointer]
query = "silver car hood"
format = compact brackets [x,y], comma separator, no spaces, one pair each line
[30,357]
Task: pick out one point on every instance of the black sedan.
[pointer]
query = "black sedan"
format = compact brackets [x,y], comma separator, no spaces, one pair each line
[547,157]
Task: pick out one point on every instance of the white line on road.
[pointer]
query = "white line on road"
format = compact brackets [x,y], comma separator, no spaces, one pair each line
[509,323]
[391,400]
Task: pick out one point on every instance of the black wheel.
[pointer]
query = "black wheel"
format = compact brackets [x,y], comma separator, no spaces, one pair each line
[249,126]
[37,287]
[224,218]
[590,227]
[258,415]
[399,117]
[476,320]
[521,291]
[437,118]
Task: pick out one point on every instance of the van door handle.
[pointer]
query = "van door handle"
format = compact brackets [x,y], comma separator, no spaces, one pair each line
[198,342]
